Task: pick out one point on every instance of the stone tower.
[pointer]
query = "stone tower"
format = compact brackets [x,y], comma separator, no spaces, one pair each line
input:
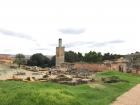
[59,53]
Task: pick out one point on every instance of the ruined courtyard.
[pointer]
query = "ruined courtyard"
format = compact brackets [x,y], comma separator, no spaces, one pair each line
[64,72]
[101,78]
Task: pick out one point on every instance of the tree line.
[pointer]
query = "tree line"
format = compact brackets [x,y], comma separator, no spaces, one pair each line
[90,57]
[37,59]
[41,60]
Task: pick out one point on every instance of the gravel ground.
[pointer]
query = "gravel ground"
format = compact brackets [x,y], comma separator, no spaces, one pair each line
[132,97]
[7,73]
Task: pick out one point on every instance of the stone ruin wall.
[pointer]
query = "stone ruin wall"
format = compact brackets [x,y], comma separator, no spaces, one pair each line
[91,67]
[122,67]
[98,67]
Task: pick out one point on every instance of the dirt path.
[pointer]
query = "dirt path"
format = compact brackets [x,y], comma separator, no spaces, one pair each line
[132,97]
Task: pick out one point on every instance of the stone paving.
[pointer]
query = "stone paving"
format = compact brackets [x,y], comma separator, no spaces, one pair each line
[132,97]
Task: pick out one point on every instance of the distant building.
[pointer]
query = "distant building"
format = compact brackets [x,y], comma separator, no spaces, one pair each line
[117,64]
[59,53]
[134,60]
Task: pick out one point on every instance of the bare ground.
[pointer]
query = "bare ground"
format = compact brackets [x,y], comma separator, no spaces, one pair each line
[7,73]
[132,97]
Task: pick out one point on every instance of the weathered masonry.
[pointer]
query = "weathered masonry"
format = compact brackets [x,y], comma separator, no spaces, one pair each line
[59,53]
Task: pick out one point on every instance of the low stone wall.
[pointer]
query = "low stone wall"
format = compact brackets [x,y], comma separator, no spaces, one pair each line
[92,67]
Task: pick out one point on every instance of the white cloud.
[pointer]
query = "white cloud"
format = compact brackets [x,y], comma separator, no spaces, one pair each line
[72,31]
[104,20]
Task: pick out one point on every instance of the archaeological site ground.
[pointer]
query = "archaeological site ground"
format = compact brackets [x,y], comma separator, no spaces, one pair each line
[107,86]
[66,83]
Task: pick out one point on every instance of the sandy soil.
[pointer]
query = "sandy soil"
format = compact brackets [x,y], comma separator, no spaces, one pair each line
[132,97]
[7,73]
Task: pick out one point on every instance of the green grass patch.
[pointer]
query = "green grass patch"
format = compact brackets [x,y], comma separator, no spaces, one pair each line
[47,93]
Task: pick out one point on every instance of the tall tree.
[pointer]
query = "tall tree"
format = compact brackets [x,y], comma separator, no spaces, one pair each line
[38,59]
[80,56]
[20,59]
[92,56]
[71,56]
[108,56]
[52,61]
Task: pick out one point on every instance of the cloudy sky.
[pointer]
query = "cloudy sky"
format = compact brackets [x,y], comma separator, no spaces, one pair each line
[32,26]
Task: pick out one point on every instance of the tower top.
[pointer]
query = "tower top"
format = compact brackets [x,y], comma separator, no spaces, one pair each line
[60,42]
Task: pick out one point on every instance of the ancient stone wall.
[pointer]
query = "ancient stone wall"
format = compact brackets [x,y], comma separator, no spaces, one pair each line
[92,67]
[100,67]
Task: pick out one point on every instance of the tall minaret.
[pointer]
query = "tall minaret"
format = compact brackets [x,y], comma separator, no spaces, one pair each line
[59,53]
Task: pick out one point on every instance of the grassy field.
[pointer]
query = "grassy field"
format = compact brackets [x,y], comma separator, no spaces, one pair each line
[47,93]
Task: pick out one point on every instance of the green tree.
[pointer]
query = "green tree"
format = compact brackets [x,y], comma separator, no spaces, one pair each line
[39,59]
[99,57]
[92,56]
[20,59]
[71,56]
[52,61]
[108,56]
[80,56]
